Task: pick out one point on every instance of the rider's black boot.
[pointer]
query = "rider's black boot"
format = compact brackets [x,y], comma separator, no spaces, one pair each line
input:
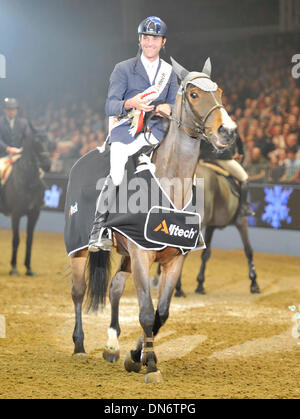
[101,237]
[245,210]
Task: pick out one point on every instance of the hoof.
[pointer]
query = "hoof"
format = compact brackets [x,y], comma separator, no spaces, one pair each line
[14,272]
[200,290]
[153,378]
[80,357]
[29,272]
[254,289]
[179,293]
[111,356]
[130,365]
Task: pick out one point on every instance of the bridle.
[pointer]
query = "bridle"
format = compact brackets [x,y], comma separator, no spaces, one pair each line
[198,128]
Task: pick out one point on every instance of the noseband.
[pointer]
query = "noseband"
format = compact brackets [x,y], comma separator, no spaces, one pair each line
[198,128]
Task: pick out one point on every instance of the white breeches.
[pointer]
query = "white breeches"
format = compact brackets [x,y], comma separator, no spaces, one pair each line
[120,152]
[234,168]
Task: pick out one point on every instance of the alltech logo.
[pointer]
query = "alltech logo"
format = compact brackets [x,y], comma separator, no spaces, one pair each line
[176,230]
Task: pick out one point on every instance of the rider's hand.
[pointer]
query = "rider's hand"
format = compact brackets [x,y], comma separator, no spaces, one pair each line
[138,103]
[165,108]
[12,151]
[238,157]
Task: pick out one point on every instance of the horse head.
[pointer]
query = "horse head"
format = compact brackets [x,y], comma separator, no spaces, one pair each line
[35,144]
[199,107]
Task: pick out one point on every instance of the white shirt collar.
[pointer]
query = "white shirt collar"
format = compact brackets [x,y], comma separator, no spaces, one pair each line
[150,67]
[11,122]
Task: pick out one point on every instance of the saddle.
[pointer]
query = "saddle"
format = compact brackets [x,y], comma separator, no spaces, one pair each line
[6,166]
[233,182]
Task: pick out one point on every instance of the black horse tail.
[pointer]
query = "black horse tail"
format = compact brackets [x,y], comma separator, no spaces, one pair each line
[98,278]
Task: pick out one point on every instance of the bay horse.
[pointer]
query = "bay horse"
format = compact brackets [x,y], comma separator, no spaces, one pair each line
[198,112]
[221,205]
[23,193]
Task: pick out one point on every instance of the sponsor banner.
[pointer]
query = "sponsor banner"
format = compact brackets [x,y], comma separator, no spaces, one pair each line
[172,228]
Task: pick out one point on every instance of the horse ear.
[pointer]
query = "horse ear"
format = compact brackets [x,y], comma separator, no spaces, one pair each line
[207,67]
[180,71]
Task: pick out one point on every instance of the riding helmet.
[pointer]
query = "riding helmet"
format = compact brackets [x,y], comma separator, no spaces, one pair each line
[152,25]
[10,103]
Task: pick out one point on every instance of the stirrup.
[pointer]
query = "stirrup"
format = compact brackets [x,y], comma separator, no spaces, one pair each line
[102,242]
[246,212]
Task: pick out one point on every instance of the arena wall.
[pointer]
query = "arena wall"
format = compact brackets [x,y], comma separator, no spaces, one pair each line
[263,240]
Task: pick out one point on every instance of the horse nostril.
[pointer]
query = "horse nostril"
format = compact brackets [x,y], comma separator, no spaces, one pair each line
[228,134]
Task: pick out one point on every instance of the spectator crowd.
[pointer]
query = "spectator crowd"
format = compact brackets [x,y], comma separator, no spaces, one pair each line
[264,99]
[260,94]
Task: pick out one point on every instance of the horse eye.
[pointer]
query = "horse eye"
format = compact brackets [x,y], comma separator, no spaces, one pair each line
[194,95]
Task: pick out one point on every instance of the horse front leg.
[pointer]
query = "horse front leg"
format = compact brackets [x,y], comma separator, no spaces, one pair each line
[31,223]
[78,266]
[15,221]
[140,263]
[111,351]
[169,277]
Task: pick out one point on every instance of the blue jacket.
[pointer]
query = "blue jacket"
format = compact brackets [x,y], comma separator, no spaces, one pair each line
[127,80]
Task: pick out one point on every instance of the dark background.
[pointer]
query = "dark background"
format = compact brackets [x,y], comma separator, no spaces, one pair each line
[56,48]
[61,51]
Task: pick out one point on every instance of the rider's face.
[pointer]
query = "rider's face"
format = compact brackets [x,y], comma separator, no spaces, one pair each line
[151,46]
[11,113]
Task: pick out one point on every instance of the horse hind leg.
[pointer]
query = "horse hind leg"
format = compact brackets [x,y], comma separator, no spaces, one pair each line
[204,258]
[243,230]
[31,223]
[15,221]
[78,265]
[141,262]
[111,351]
[155,279]
[132,361]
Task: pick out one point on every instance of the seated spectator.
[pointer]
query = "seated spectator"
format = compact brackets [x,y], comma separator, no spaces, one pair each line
[100,137]
[263,142]
[76,145]
[281,153]
[292,167]
[278,138]
[275,171]
[257,169]
[292,141]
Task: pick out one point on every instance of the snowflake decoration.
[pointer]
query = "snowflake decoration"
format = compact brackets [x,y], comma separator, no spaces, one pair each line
[252,220]
[277,211]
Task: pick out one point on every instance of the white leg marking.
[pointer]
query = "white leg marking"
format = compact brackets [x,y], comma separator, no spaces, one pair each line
[112,342]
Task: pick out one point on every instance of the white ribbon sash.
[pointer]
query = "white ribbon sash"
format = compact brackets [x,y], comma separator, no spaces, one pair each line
[152,93]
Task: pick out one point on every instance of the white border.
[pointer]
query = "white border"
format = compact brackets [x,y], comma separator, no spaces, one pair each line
[178,211]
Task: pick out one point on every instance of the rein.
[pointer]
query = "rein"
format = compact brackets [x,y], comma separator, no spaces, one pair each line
[198,128]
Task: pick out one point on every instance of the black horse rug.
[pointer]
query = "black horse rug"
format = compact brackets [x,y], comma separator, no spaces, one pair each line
[142,210]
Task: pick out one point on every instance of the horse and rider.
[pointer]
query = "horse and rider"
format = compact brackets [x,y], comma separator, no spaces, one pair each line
[13,129]
[23,153]
[139,86]
[134,85]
